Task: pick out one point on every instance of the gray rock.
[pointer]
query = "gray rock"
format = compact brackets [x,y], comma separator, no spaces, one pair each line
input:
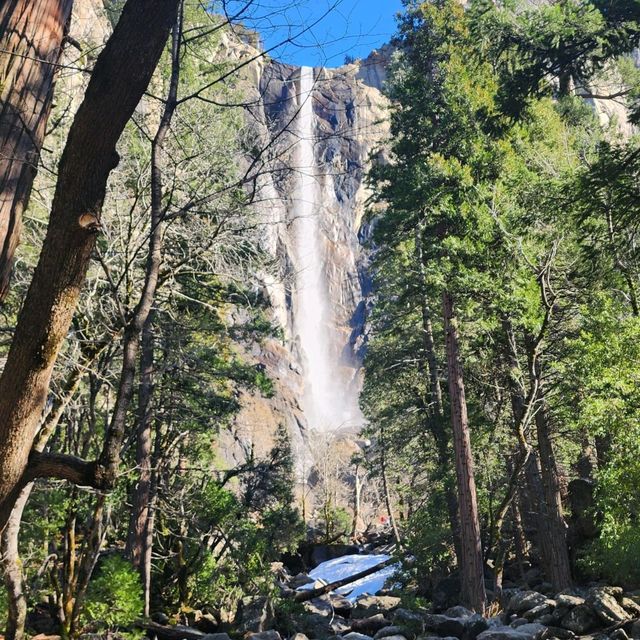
[299,636]
[160,618]
[444,625]
[255,615]
[300,580]
[522,601]
[541,610]
[316,625]
[603,601]
[619,634]
[354,635]
[367,606]
[525,632]
[559,633]
[265,635]
[568,600]
[474,626]
[413,619]
[216,636]
[532,630]
[392,630]
[548,620]
[396,637]
[580,619]
[370,625]
[631,606]
[518,622]
[458,612]
[635,630]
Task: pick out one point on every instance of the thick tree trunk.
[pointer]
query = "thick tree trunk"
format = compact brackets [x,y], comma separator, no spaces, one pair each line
[120,77]
[31,35]
[471,560]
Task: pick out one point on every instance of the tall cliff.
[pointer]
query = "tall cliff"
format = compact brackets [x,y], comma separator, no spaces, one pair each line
[311,196]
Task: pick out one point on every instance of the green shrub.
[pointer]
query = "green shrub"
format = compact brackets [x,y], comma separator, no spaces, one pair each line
[114,597]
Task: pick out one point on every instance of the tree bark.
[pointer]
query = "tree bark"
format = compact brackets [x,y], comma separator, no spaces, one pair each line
[557,561]
[12,567]
[435,415]
[140,537]
[31,37]
[120,77]
[471,560]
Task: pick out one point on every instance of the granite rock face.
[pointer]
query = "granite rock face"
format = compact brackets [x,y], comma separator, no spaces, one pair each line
[349,123]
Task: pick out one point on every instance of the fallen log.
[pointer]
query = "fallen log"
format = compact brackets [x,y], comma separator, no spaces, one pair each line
[309,594]
[162,632]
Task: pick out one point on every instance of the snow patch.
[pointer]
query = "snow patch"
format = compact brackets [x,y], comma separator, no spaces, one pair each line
[345,566]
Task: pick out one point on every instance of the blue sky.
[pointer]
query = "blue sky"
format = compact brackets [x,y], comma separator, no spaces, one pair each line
[322,32]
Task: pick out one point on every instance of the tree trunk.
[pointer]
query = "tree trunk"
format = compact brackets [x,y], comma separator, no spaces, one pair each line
[557,562]
[471,560]
[436,408]
[139,539]
[385,487]
[31,35]
[12,566]
[121,75]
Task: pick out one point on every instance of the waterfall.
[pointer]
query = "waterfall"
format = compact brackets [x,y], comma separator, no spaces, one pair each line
[329,401]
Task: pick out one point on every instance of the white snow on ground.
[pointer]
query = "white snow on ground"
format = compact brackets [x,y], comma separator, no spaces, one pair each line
[334,570]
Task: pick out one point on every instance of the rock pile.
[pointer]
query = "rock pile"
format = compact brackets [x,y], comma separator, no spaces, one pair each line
[597,613]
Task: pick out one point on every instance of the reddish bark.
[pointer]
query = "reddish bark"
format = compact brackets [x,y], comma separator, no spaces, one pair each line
[471,562]
[31,36]
[120,77]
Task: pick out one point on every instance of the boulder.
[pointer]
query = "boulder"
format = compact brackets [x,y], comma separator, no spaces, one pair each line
[635,630]
[525,632]
[474,626]
[407,618]
[541,610]
[522,601]
[580,619]
[354,635]
[367,606]
[444,625]
[160,618]
[255,615]
[316,625]
[560,633]
[300,580]
[631,606]
[340,604]
[603,601]
[458,612]
[216,636]
[299,636]
[518,622]
[264,635]
[370,625]
[568,600]
[387,632]
[619,634]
